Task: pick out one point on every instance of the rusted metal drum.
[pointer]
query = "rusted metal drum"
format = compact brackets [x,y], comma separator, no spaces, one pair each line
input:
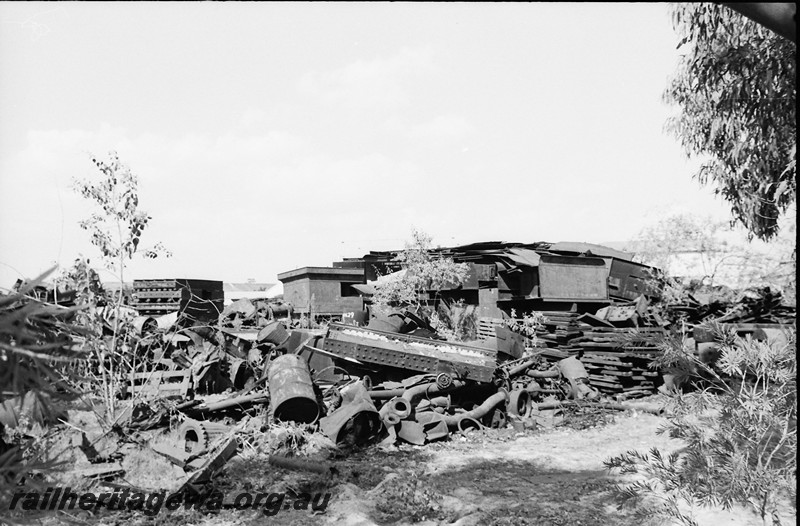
[291,391]
[278,311]
[274,332]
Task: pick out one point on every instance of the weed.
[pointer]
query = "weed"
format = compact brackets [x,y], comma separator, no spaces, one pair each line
[409,498]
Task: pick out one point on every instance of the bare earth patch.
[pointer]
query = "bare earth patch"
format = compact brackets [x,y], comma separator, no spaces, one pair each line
[547,476]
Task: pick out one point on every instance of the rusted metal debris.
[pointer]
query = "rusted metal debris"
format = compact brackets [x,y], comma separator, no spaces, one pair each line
[409,353]
[389,378]
[291,390]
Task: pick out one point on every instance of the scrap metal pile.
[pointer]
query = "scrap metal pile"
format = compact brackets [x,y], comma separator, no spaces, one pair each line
[354,384]
[756,305]
[387,378]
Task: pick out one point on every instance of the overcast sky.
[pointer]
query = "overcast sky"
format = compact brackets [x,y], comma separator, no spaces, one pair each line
[268,137]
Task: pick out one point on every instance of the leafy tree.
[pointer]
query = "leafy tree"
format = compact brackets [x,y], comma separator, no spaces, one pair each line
[116,227]
[735,92]
[698,247]
[422,271]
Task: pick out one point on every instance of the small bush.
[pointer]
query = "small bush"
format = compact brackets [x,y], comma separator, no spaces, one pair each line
[408,498]
[740,433]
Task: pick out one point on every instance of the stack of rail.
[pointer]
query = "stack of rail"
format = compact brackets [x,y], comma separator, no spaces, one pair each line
[199,300]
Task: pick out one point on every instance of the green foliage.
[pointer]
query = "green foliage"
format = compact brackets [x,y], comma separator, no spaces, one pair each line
[735,92]
[422,271]
[527,325]
[36,341]
[110,358]
[740,432]
[117,226]
[408,498]
[456,322]
[292,439]
[35,337]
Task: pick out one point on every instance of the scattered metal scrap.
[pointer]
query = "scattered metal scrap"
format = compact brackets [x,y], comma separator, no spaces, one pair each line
[391,378]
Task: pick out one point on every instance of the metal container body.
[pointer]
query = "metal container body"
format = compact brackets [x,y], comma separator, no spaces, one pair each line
[274,332]
[291,390]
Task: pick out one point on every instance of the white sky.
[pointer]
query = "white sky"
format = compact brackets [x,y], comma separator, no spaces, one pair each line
[268,137]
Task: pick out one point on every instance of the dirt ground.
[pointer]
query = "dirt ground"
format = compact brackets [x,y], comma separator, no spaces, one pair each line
[553,477]
[550,475]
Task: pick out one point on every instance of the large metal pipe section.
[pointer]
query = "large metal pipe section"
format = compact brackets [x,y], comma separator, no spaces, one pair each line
[441,401]
[479,412]
[383,394]
[553,372]
[521,367]
[466,423]
[389,417]
[413,394]
[400,406]
[395,410]
[291,391]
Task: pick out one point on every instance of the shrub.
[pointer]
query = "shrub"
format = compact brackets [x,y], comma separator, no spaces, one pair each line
[739,430]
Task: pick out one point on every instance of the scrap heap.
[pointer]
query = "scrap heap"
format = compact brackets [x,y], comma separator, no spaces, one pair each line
[588,335]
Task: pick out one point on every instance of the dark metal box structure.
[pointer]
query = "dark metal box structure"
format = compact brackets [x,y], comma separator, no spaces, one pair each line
[322,290]
[198,299]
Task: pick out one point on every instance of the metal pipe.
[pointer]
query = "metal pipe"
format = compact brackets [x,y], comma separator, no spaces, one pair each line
[466,423]
[413,394]
[382,394]
[388,416]
[553,372]
[440,401]
[521,367]
[400,406]
[479,412]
